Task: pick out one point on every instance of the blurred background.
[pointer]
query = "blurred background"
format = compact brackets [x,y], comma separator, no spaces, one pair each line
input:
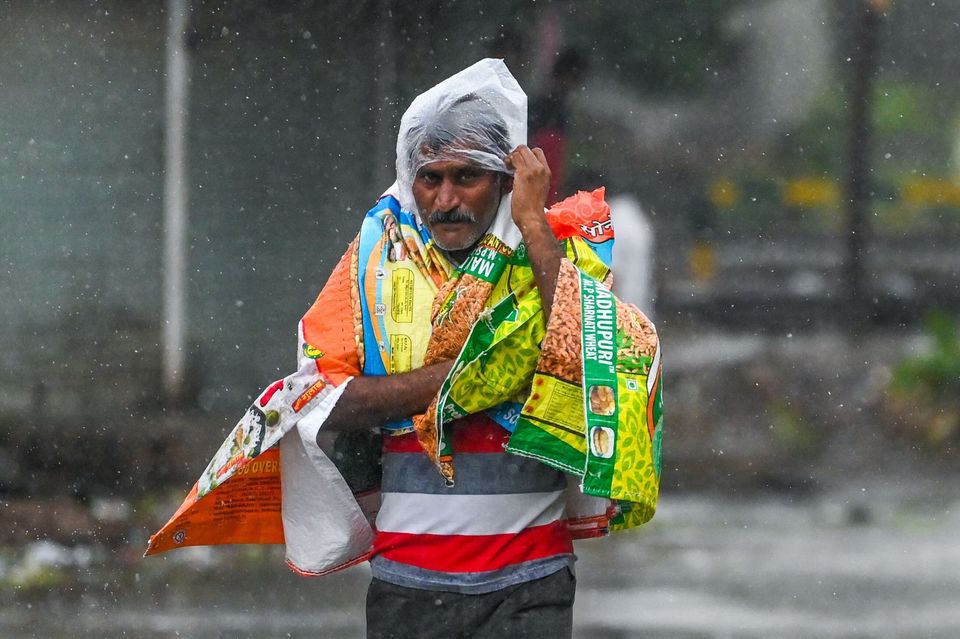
[177,180]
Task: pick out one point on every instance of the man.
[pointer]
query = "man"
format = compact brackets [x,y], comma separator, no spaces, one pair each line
[453,325]
[490,554]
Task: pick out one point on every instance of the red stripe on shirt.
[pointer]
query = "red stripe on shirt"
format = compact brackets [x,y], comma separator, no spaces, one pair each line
[474,553]
[471,434]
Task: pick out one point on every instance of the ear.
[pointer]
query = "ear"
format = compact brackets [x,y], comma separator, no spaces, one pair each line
[506,184]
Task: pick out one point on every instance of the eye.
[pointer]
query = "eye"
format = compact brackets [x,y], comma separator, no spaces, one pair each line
[469,175]
[430,178]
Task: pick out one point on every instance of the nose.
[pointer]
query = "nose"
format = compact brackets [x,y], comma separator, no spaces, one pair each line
[448,198]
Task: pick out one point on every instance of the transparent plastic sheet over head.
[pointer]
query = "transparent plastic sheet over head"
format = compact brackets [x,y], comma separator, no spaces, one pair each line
[478,115]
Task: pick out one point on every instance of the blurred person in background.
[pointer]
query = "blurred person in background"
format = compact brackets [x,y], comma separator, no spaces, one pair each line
[550,115]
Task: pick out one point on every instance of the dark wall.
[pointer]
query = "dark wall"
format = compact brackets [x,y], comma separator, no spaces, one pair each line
[80,186]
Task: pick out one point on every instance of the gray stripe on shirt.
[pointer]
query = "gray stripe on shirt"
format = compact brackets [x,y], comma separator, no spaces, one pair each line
[468,583]
[476,474]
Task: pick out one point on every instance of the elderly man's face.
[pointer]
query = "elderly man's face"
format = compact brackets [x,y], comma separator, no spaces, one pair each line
[457,202]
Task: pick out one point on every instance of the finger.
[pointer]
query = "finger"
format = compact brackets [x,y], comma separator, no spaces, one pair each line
[523,157]
[515,158]
[541,156]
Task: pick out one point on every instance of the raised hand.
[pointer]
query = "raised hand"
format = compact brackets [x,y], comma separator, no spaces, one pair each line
[531,184]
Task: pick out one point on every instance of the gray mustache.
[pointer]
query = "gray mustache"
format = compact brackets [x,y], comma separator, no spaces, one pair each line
[451,217]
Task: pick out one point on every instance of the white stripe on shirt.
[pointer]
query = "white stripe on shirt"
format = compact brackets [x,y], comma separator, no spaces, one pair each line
[424,514]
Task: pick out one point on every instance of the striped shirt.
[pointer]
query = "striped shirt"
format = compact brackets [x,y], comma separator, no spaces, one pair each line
[502,523]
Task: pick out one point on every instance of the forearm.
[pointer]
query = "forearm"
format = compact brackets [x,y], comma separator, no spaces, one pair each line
[545,255]
[371,401]
[531,184]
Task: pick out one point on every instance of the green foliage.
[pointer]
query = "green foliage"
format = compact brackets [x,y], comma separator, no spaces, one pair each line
[902,114]
[818,145]
[923,389]
[789,428]
[936,374]
[911,139]
[903,107]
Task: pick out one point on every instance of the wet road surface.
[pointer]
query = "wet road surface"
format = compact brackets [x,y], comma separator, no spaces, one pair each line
[866,561]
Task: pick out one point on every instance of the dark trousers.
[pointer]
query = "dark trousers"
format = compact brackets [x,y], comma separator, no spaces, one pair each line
[539,608]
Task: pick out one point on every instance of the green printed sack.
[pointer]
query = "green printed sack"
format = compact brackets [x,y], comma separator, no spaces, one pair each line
[589,382]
